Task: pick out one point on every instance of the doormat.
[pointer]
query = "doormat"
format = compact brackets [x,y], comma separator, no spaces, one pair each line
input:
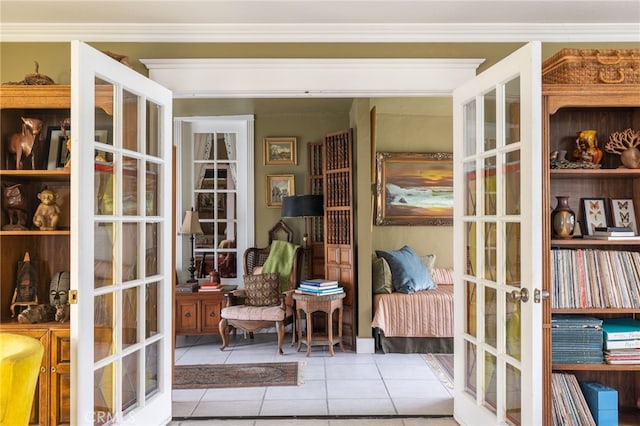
[209,376]
[442,366]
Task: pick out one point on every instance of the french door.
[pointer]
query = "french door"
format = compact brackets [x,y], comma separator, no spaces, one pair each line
[121,237]
[497,184]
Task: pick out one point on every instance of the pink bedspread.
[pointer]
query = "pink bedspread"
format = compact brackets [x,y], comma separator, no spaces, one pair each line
[426,313]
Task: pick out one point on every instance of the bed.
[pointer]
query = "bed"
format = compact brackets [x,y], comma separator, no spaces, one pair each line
[421,322]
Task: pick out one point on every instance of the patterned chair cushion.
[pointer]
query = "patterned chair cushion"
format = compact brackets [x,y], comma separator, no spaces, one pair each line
[262,289]
[255,313]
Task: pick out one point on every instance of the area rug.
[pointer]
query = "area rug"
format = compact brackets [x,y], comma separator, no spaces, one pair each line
[208,376]
[442,366]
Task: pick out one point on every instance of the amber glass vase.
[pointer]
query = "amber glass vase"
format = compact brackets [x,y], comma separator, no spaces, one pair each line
[563,219]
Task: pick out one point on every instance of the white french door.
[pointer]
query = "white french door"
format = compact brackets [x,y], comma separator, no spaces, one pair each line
[497,189]
[121,237]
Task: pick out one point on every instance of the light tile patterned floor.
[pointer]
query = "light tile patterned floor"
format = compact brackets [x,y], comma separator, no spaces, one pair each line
[347,389]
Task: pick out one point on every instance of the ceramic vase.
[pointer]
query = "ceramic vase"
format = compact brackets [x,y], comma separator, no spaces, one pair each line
[630,158]
[563,219]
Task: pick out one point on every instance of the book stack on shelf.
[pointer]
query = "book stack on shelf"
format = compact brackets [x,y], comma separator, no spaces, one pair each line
[569,404]
[614,233]
[576,339]
[210,286]
[621,340]
[319,287]
[186,288]
[587,278]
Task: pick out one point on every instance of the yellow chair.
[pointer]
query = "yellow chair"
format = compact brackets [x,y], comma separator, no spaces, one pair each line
[20,359]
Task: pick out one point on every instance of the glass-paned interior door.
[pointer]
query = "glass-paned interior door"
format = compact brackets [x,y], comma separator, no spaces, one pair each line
[497,189]
[121,243]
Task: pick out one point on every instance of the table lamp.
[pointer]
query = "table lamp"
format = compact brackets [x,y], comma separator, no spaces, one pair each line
[191,226]
[304,206]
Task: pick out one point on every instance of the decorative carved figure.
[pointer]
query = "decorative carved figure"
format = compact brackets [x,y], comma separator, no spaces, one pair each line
[62,313]
[67,141]
[48,213]
[37,313]
[21,144]
[14,203]
[26,291]
[59,288]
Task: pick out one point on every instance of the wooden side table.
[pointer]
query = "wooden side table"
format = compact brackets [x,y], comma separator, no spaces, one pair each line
[328,304]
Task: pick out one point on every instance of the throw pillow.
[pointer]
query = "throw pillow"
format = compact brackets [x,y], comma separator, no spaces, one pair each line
[262,290]
[408,273]
[429,261]
[381,277]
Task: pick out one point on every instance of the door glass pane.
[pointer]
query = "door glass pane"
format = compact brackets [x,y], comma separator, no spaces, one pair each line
[130,186]
[489,168]
[129,381]
[512,111]
[472,306]
[103,184]
[129,121]
[490,380]
[129,316]
[490,120]
[103,405]
[151,301]
[511,181]
[512,254]
[490,323]
[490,251]
[151,191]
[513,395]
[512,334]
[470,244]
[153,128]
[130,270]
[104,111]
[471,363]
[469,130]
[151,373]
[103,265]
[152,245]
[471,182]
[103,326]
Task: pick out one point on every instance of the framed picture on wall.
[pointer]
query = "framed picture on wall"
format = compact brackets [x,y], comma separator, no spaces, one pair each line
[623,213]
[280,151]
[414,188]
[279,186]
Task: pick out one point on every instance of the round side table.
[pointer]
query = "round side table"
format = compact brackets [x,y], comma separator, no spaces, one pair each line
[310,303]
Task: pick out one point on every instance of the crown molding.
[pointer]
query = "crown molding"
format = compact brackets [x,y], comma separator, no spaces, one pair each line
[268,78]
[320,33]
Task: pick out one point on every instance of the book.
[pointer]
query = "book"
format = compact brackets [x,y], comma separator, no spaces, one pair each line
[319,282]
[314,287]
[621,329]
[632,237]
[622,344]
[613,229]
[321,292]
[614,233]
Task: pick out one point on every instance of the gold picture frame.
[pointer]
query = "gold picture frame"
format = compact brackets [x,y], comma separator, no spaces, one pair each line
[281,151]
[279,186]
[414,188]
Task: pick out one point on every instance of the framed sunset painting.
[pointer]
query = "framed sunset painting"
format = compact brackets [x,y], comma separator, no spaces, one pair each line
[414,188]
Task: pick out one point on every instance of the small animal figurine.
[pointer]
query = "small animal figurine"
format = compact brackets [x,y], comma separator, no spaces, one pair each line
[48,213]
[37,313]
[14,203]
[21,144]
[62,312]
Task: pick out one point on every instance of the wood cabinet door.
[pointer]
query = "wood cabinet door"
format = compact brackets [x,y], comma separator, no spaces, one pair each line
[187,316]
[60,378]
[210,314]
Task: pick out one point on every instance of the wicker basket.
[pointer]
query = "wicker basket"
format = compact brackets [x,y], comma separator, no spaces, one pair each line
[592,66]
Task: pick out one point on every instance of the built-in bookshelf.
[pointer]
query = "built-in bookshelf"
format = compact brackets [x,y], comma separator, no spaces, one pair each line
[587,276]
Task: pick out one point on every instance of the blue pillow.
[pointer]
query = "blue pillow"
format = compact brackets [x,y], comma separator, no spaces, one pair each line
[408,273]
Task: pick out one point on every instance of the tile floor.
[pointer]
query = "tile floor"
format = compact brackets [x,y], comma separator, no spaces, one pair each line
[349,388]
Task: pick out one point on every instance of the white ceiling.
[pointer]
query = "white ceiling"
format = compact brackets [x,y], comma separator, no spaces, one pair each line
[320,20]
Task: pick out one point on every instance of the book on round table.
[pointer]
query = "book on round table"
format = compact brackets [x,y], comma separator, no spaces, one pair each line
[319,282]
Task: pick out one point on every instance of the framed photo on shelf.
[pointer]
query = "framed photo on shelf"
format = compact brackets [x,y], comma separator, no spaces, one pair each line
[414,188]
[58,151]
[279,186]
[280,151]
[623,213]
[594,214]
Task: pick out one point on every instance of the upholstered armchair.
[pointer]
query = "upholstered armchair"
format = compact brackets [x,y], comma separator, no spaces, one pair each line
[270,302]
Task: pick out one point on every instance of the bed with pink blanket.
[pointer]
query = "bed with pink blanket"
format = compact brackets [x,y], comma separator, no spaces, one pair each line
[421,322]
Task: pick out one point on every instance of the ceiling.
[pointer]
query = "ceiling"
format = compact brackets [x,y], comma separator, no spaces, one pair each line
[320,20]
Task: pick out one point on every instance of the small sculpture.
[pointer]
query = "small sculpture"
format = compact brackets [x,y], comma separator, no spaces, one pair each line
[625,144]
[59,288]
[62,312]
[67,141]
[26,291]
[37,313]
[587,147]
[21,144]
[14,203]
[34,79]
[48,213]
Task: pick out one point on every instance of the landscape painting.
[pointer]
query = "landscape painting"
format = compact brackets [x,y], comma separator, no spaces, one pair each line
[414,188]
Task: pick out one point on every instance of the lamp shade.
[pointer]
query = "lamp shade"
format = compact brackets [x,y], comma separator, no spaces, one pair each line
[191,223]
[302,206]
